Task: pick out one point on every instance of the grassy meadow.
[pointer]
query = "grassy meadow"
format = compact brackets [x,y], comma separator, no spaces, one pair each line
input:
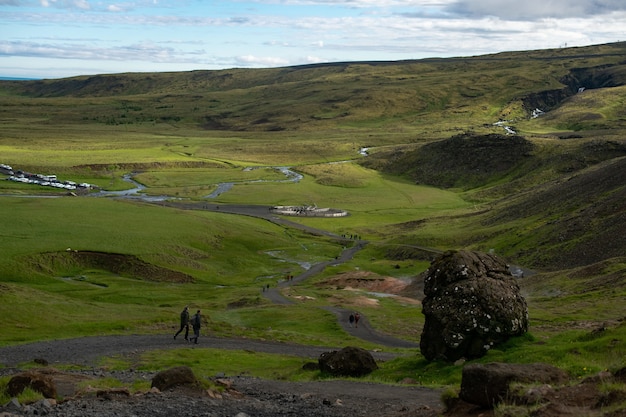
[181,135]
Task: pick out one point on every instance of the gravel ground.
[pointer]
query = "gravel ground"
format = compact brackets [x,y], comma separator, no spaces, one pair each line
[256,398]
[248,396]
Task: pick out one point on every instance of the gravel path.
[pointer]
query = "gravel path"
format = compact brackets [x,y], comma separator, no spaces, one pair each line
[86,351]
[255,397]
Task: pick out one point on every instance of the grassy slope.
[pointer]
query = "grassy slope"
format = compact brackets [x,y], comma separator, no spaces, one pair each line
[187,131]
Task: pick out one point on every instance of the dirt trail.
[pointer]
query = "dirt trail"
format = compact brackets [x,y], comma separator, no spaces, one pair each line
[87,351]
[364,331]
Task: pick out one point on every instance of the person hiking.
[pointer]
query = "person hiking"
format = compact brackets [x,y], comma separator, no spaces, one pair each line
[196,322]
[357,317]
[184,323]
[351,320]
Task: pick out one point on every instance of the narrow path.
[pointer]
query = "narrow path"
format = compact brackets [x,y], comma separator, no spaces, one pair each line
[365,330]
[88,351]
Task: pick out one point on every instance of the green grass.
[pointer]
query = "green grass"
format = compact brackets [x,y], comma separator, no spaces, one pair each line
[207,363]
[182,134]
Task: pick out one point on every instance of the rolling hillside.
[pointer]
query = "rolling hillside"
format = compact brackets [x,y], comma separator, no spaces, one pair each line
[430,97]
[558,184]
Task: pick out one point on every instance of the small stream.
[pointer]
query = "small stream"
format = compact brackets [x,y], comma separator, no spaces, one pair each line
[136,191]
[131,192]
[290,176]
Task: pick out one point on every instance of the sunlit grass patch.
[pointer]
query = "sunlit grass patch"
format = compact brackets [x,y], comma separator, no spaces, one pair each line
[207,362]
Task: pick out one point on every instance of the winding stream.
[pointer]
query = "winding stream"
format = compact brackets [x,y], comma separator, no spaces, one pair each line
[136,191]
[291,176]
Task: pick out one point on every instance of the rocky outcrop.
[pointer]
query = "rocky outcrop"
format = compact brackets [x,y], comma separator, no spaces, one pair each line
[349,361]
[33,380]
[487,385]
[463,161]
[472,303]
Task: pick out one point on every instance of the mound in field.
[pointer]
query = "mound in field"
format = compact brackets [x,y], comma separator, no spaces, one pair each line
[117,263]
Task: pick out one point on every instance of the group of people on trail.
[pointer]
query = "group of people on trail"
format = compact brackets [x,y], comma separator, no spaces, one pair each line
[185,321]
[354,319]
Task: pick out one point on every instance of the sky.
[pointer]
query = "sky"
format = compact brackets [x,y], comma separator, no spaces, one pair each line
[64,38]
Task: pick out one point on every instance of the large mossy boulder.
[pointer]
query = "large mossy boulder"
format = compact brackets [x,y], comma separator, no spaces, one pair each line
[472,303]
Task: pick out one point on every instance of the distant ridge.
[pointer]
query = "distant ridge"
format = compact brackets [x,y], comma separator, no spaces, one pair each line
[18,78]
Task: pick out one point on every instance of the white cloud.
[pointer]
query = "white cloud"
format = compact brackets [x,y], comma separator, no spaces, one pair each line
[252,60]
[535,9]
[361,3]
[189,34]
[313,59]
[66,4]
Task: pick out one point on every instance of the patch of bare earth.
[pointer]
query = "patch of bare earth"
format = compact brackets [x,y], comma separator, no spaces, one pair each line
[369,282]
[116,263]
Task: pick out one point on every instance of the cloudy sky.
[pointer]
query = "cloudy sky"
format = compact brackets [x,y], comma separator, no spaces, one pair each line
[62,38]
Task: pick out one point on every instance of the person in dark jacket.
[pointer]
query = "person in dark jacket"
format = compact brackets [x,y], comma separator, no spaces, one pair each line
[184,323]
[196,322]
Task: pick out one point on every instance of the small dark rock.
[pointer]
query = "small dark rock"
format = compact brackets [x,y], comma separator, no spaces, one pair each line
[173,377]
[311,366]
[349,361]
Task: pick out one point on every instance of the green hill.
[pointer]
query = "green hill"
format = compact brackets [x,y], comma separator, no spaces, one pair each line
[520,153]
[431,97]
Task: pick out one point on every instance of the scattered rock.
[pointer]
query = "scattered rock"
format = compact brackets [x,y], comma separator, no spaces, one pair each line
[110,394]
[349,361]
[13,405]
[472,303]
[41,361]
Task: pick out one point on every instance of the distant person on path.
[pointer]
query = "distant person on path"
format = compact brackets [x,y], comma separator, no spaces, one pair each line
[196,321]
[351,320]
[184,323]
[357,317]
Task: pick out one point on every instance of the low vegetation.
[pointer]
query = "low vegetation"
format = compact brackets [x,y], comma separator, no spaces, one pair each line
[409,149]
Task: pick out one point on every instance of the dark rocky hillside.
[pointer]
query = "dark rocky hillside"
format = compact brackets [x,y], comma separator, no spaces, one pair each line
[584,217]
[602,76]
[463,161]
[573,202]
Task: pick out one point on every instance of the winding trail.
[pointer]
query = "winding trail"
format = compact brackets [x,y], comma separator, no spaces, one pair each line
[365,331]
[87,351]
